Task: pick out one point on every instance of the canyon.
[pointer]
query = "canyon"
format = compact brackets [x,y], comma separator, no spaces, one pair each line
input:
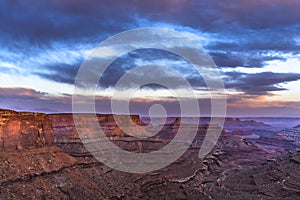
[42,157]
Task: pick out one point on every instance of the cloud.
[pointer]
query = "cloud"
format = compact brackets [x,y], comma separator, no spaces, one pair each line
[151,58]
[235,26]
[77,20]
[50,40]
[61,72]
[260,83]
[251,60]
[254,84]
[248,105]
[27,99]
[20,92]
[7,70]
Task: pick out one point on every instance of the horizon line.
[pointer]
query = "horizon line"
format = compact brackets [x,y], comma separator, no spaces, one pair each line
[146,116]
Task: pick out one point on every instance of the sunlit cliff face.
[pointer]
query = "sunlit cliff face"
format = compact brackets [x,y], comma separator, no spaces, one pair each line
[254,44]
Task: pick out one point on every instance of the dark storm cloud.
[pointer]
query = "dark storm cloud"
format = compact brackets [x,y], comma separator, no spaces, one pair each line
[138,58]
[37,21]
[66,73]
[216,15]
[260,83]
[67,19]
[223,59]
[239,25]
[261,14]
[272,42]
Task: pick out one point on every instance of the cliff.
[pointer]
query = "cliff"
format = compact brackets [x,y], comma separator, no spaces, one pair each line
[19,130]
[66,136]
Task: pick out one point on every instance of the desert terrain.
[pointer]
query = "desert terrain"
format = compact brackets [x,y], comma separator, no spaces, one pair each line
[42,157]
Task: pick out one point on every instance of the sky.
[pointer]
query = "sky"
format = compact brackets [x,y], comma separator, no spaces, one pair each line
[255,46]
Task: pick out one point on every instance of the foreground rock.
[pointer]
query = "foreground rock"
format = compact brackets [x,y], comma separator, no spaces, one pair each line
[277,179]
[27,151]
[18,166]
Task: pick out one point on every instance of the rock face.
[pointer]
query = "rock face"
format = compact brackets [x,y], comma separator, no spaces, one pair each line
[67,138]
[31,162]
[19,130]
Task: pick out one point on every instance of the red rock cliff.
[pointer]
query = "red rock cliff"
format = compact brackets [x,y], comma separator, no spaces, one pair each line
[19,130]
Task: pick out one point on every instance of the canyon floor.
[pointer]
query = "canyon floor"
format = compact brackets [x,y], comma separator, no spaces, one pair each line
[42,157]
